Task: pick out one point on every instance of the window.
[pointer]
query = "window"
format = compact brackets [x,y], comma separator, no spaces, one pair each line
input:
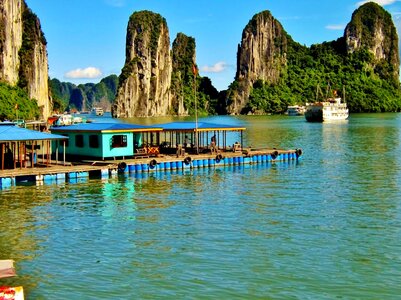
[79,141]
[119,141]
[94,141]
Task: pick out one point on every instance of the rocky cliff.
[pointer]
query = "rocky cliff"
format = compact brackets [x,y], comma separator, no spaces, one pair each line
[145,80]
[372,28]
[183,60]
[261,56]
[10,39]
[23,55]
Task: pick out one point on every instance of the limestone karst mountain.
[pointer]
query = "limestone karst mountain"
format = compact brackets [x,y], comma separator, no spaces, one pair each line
[372,28]
[157,80]
[273,71]
[23,55]
[145,79]
[261,56]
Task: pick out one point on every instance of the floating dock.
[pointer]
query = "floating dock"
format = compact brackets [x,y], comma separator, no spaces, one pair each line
[55,173]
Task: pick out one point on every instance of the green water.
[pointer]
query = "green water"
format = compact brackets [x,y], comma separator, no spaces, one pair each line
[327,227]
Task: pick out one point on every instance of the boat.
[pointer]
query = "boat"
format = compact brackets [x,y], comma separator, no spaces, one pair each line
[98,111]
[65,119]
[295,110]
[331,109]
[9,292]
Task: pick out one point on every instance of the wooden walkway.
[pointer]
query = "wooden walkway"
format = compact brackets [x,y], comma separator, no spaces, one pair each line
[58,172]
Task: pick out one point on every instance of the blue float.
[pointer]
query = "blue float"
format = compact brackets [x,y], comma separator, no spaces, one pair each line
[6,182]
[220,162]
[145,167]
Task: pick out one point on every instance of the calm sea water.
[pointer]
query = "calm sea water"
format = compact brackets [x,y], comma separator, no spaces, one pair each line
[326,227]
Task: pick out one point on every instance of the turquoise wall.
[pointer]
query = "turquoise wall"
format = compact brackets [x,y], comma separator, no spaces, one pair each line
[105,148]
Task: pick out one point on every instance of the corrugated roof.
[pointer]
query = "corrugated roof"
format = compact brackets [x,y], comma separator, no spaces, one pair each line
[10,133]
[202,126]
[105,127]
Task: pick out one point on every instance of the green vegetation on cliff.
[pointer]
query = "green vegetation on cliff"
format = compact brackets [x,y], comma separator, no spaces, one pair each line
[184,83]
[147,22]
[367,89]
[364,63]
[15,103]
[31,34]
[68,96]
[364,24]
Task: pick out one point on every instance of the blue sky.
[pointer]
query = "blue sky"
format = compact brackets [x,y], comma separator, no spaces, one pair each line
[86,38]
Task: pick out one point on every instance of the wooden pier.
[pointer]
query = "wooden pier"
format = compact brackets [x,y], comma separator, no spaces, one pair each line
[56,172]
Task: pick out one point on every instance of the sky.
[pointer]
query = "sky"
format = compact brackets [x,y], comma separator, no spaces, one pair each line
[86,38]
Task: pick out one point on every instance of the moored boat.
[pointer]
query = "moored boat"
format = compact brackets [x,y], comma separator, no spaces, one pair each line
[98,111]
[295,110]
[331,109]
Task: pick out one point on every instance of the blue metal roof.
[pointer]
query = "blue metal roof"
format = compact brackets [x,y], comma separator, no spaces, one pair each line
[105,127]
[202,126]
[12,133]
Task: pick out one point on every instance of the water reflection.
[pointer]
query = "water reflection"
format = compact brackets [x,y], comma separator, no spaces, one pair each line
[287,230]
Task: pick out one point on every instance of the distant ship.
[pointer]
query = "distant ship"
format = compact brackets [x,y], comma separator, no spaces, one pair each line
[331,109]
[98,111]
[295,110]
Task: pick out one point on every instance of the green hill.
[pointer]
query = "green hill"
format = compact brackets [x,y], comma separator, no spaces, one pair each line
[68,96]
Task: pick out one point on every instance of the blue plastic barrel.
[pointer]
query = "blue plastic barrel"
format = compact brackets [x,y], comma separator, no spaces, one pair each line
[241,160]
[167,165]
[236,160]
[179,164]
[145,167]
[131,168]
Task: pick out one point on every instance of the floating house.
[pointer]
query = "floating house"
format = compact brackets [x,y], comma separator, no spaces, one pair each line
[104,141]
[109,147]
[20,147]
[107,140]
[201,137]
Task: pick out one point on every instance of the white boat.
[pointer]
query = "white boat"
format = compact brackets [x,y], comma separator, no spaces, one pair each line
[295,110]
[331,109]
[98,111]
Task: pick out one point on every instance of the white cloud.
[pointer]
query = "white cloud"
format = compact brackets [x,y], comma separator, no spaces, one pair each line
[87,73]
[335,27]
[380,2]
[216,68]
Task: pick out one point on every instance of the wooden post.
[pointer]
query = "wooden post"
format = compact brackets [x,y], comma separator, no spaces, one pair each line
[64,152]
[2,156]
